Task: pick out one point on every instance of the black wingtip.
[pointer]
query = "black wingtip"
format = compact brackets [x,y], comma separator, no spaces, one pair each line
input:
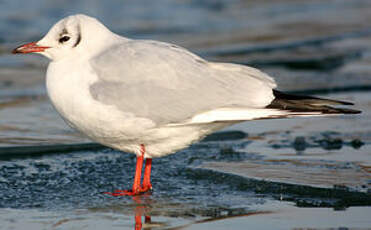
[346,111]
[299,103]
[353,111]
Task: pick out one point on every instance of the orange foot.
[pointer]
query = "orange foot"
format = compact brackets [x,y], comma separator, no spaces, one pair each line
[139,191]
[122,193]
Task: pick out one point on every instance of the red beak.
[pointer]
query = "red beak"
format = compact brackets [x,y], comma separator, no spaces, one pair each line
[31,47]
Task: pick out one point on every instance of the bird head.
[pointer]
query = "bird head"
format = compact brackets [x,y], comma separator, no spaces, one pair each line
[73,35]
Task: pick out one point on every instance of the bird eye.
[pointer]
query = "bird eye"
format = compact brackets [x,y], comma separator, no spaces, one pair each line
[64,39]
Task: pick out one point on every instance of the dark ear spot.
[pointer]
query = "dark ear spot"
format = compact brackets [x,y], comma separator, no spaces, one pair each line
[78,40]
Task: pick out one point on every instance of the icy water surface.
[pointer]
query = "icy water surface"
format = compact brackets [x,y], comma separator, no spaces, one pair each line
[280,174]
[69,187]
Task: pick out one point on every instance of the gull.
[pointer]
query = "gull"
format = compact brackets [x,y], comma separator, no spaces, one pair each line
[153,98]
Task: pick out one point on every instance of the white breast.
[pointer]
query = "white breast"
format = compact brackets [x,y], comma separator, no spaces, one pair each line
[68,89]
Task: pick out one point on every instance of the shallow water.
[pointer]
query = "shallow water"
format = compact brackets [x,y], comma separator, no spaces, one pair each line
[263,174]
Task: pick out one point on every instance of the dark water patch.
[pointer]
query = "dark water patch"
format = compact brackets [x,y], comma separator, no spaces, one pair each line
[324,141]
[334,90]
[325,63]
[226,136]
[243,50]
[7,153]
[212,5]
[300,144]
[356,143]
[331,143]
[147,33]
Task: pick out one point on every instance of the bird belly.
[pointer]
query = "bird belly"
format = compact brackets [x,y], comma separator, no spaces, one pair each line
[165,140]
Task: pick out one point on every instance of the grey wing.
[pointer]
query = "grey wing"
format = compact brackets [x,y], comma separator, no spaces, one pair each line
[169,85]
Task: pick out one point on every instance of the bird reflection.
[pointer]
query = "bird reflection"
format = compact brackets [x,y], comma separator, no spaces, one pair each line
[142,208]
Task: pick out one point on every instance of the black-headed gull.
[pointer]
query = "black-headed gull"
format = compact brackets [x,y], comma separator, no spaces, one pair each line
[153,98]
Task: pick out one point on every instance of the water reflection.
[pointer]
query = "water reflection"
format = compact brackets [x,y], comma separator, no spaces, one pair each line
[142,209]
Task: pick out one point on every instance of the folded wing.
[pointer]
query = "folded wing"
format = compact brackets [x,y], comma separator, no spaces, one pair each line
[169,85]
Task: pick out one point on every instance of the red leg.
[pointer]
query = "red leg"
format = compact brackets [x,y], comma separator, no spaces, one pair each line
[147,176]
[138,174]
[136,190]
